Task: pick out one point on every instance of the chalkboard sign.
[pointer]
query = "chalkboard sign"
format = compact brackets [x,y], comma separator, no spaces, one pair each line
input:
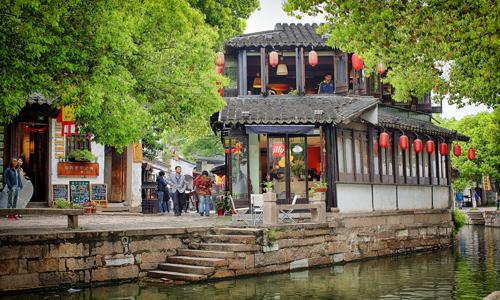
[79,191]
[60,191]
[99,192]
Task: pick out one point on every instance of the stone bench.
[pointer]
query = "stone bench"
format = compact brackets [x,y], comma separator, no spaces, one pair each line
[71,213]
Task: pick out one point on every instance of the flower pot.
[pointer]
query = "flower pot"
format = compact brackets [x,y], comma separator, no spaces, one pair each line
[94,210]
[320,190]
[88,210]
[220,213]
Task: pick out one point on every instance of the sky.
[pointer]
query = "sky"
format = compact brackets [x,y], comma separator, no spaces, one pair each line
[271,13]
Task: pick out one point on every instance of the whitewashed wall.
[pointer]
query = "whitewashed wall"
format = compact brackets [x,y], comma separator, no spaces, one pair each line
[134,183]
[414,197]
[354,197]
[384,197]
[441,196]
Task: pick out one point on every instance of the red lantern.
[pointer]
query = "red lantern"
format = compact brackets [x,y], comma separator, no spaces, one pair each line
[226,151]
[471,154]
[313,58]
[429,146]
[219,69]
[273,59]
[443,149]
[219,59]
[383,140]
[457,150]
[417,145]
[403,142]
[357,62]
[380,68]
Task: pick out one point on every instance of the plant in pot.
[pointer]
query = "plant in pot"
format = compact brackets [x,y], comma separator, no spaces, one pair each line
[220,206]
[320,187]
[268,186]
[81,156]
[62,203]
[297,169]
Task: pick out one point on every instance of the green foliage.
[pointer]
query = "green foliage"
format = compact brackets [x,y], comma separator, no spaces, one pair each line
[207,145]
[484,132]
[76,206]
[82,155]
[125,66]
[413,37]
[268,186]
[319,185]
[271,236]
[62,203]
[458,220]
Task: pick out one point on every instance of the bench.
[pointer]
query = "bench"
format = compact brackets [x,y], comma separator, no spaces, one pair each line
[71,213]
[318,213]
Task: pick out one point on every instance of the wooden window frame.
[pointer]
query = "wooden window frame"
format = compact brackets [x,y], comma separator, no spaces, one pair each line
[83,144]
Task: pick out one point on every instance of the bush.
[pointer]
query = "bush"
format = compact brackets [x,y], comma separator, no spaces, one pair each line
[82,155]
[76,206]
[62,203]
[458,220]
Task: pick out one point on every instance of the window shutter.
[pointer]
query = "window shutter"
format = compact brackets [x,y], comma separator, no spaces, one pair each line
[341,73]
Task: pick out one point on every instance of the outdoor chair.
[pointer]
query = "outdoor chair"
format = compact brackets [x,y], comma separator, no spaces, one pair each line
[286,214]
[257,202]
[240,213]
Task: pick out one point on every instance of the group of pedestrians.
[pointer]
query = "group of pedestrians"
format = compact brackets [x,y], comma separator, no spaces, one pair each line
[174,186]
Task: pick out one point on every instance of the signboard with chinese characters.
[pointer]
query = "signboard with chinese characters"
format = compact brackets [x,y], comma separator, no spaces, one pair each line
[137,155]
[77,169]
[487,183]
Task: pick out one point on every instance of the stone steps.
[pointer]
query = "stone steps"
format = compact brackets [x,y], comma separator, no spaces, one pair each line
[190,269]
[226,247]
[176,275]
[205,253]
[237,231]
[198,261]
[228,238]
[476,218]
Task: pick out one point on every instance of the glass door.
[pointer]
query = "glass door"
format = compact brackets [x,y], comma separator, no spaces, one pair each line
[277,166]
[298,167]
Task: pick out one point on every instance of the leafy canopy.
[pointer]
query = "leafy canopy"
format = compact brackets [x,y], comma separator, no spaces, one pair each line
[127,66]
[484,132]
[414,37]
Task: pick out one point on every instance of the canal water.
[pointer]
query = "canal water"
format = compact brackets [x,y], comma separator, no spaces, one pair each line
[471,270]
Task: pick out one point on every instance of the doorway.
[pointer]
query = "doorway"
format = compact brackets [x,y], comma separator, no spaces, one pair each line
[118,175]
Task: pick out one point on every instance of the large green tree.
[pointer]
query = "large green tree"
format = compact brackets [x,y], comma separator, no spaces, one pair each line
[416,37]
[484,132]
[127,66]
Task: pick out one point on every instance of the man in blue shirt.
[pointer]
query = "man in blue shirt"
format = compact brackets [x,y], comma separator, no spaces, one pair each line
[12,180]
[326,86]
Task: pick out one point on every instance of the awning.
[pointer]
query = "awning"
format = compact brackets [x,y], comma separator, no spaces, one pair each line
[280,129]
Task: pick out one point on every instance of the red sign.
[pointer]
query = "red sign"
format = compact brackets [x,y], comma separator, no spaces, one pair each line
[78,169]
[278,149]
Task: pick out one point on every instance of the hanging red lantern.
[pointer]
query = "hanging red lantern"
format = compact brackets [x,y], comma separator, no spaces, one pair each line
[313,58]
[219,69]
[357,62]
[380,68]
[273,59]
[403,142]
[219,59]
[417,145]
[429,146]
[226,151]
[443,149]
[383,140]
[471,154]
[457,150]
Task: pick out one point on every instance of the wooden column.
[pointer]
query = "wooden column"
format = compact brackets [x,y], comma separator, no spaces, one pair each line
[263,70]
[242,72]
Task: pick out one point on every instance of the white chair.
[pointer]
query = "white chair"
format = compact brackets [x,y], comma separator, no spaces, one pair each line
[257,202]
[240,212]
[286,214]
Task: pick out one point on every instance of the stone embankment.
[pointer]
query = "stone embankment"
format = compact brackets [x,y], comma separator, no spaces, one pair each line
[84,258]
[489,218]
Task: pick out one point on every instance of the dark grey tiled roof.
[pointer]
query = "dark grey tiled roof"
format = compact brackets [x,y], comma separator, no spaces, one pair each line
[282,35]
[285,109]
[39,98]
[391,120]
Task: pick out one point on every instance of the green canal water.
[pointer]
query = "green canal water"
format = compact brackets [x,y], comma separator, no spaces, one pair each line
[469,271]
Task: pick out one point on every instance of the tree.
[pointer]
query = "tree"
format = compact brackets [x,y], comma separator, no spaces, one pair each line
[126,66]
[450,47]
[207,145]
[484,132]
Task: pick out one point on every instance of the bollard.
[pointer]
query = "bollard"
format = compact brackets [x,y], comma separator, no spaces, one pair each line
[270,209]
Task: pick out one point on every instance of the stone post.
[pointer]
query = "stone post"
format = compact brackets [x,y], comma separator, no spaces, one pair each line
[270,209]
[319,216]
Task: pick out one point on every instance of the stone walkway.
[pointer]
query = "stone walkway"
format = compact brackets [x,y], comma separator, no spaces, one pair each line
[108,221]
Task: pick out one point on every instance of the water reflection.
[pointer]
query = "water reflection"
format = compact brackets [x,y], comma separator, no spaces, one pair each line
[470,271]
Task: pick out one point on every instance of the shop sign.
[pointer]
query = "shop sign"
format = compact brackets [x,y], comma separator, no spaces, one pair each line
[486,183]
[278,149]
[77,169]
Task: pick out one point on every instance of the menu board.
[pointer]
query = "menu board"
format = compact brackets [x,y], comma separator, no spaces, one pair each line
[99,192]
[79,191]
[60,191]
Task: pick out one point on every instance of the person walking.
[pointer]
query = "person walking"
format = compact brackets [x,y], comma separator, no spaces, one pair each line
[12,180]
[177,188]
[460,199]
[476,197]
[203,184]
[162,193]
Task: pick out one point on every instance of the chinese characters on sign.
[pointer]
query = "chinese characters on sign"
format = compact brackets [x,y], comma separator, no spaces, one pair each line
[77,169]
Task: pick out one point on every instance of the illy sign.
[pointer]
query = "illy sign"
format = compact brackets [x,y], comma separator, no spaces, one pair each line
[278,149]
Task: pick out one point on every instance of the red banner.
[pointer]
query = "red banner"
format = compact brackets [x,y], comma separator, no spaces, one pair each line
[278,149]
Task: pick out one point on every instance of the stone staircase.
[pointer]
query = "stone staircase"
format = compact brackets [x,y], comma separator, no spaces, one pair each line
[215,251]
[475,218]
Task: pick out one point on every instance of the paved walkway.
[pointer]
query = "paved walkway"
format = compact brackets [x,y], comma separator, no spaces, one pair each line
[108,221]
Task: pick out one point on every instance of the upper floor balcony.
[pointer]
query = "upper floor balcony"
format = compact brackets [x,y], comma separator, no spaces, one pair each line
[294,59]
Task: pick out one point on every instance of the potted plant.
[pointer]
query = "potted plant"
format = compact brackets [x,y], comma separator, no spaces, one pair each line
[220,206]
[93,207]
[320,187]
[81,156]
[268,186]
[62,203]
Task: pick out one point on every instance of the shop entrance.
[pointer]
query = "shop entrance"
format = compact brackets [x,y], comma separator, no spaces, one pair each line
[117,178]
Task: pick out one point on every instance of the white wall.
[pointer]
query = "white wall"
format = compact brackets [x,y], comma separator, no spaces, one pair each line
[354,197]
[441,195]
[414,197]
[187,168]
[134,183]
[384,197]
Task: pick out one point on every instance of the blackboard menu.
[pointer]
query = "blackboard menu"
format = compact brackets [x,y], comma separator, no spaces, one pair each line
[99,192]
[60,191]
[79,191]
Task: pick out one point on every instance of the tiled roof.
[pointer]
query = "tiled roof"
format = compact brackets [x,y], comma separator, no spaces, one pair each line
[282,35]
[398,121]
[39,98]
[284,109]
